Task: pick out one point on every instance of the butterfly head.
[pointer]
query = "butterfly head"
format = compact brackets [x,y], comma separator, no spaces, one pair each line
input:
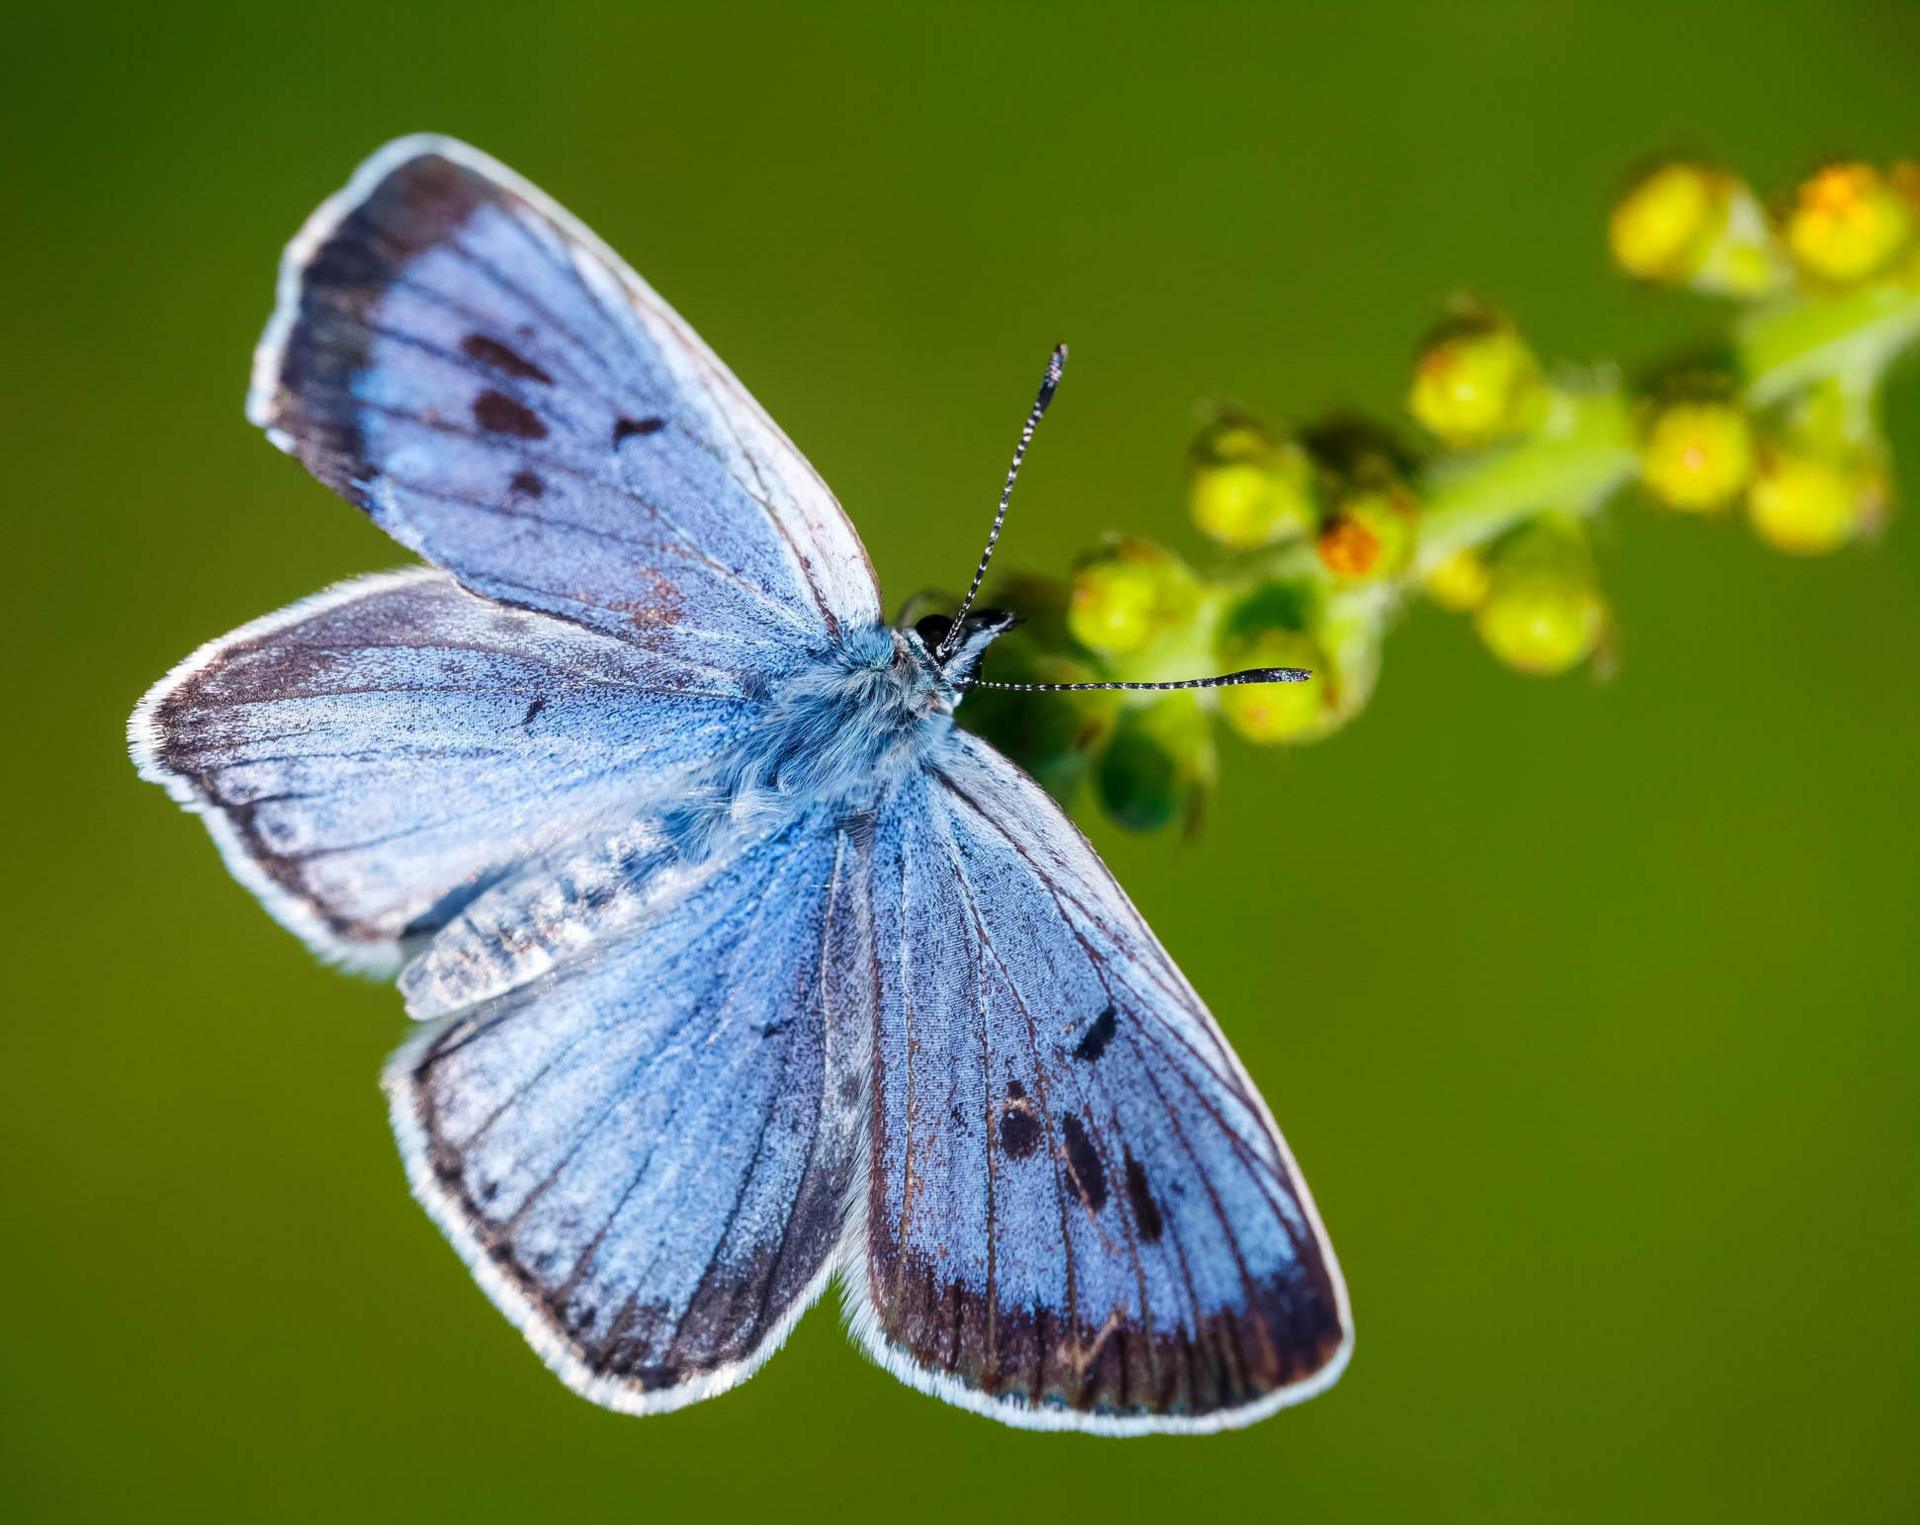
[950,656]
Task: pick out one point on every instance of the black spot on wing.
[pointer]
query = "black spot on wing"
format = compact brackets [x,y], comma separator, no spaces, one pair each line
[527,484]
[499,414]
[1146,1211]
[533,711]
[492,352]
[1088,1175]
[1098,1035]
[1019,1130]
[627,428]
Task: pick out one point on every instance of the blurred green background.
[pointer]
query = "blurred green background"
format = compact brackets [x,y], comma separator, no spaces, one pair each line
[1589,1010]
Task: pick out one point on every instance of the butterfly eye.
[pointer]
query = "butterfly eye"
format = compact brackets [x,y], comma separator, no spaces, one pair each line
[933,629]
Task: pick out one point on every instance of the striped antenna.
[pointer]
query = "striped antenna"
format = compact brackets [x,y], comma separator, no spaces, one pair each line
[1055,363]
[1225,680]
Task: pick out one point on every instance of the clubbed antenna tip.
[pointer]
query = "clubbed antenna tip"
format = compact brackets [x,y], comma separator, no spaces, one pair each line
[1225,680]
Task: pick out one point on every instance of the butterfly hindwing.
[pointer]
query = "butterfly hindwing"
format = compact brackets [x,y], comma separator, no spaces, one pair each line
[645,1153]
[374,756]
[1079,1213]
[461,358]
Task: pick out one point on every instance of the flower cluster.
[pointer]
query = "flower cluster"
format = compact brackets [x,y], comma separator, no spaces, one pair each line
[1320,534]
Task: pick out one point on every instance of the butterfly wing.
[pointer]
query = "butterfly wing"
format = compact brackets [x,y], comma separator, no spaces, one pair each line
[1079,1213]
[371,758]
[462,359]
[645,1154]
[456,355]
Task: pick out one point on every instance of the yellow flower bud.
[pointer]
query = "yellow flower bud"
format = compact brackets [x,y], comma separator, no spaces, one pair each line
[1848,222]
[1460,581]
[1371,534]
[1686,224]
[1268,713]
[1476,381]
[1808,505]
[1697,455]
[1126,595]
[1247,491]
[1657,230]
[1542,613]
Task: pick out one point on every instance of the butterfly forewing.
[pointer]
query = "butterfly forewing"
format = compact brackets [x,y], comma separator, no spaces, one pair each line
[462,359]
[1079,1212]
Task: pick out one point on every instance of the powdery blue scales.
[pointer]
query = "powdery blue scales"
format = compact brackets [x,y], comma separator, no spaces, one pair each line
[739,967]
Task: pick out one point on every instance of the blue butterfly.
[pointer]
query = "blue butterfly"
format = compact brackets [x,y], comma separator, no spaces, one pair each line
[739,967]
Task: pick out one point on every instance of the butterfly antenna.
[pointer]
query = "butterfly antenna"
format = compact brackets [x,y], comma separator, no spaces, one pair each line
[1225,680]
[1056,362]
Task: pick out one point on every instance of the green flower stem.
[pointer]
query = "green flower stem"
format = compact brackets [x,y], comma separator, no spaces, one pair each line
[1584,451]
[1788,346]
[1576,461]
[1581,454]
